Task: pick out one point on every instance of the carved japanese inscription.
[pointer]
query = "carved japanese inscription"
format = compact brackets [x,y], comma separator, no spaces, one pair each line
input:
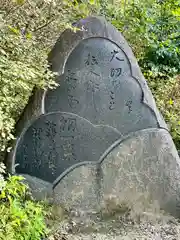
[97,84]
[57,141]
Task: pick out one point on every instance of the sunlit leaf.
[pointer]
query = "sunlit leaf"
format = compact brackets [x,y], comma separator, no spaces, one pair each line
[92,2]
[171,102]
[29,36]
[19,2]
[14,30]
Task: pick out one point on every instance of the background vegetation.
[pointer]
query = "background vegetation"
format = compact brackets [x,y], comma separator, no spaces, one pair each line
[28,30]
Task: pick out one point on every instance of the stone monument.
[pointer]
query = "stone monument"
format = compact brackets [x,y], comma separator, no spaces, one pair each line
[99,133]
[56,141]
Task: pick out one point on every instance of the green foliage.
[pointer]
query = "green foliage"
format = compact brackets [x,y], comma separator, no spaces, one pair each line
[167,96]
[21,218]
[163,58]
[163,50]
[20,70]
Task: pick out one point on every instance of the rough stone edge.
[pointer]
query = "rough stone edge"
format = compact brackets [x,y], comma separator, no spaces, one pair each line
[33,109]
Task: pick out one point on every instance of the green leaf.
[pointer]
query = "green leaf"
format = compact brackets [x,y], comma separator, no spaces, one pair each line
[14,30]
[171,102]
[19,2]
[92,2]
[29,36]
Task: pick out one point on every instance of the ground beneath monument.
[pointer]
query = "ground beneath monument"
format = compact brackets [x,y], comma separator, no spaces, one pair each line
[119,227]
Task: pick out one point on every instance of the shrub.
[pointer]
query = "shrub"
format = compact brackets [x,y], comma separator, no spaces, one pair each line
[21,217]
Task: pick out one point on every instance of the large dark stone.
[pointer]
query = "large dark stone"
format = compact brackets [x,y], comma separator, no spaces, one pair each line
[57,141]
[103,98]
[100,80]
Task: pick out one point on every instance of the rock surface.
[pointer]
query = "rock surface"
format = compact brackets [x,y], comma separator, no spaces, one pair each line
[144,164]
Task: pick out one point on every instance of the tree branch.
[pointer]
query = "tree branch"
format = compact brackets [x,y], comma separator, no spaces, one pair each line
[44,25]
